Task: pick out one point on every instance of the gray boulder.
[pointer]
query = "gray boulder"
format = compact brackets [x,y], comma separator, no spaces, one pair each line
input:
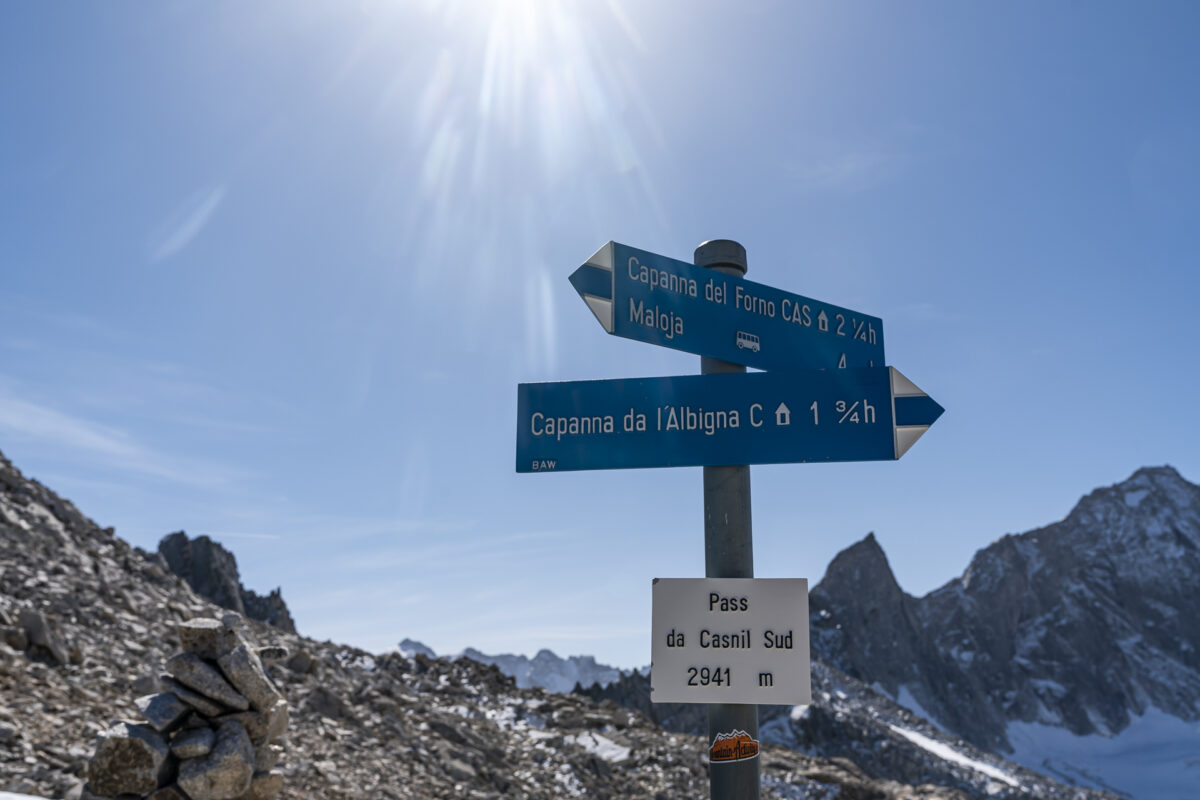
[42,636]
[326,703]
[207,707]
[252,721]
[272,654]
[164,710]
[277,718]
[192,671]
[302,662]
[193,743]
[130,759]
[266,757]
[243,669]
[225,773]
[145,684]
[264,786]
[207,638]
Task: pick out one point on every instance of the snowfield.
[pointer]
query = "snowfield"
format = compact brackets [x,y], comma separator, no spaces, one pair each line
[1156,758]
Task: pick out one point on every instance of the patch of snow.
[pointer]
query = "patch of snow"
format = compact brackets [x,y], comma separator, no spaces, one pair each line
[566,777]
[948,753]
[505,717]
[1132,499]
[600,746]
[11,796]
[799,712]
[363,661]
[1157,757]
[904,697]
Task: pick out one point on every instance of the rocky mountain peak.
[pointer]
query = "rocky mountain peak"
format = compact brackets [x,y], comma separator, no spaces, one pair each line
[212,572]
[209,568]
[861,567]
[1083,624]
[863,618]
[1151,492]
[410,647]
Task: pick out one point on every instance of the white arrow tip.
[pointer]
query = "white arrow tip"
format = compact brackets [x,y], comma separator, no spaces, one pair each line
[906,437]
[603,309]
[603,258]
[903,387]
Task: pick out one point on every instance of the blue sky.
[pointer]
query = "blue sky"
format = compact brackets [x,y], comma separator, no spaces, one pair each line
[272,272]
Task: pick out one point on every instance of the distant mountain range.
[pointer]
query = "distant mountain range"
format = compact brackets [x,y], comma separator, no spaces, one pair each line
[545,670]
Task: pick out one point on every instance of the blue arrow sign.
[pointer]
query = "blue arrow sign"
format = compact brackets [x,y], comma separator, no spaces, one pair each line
[651,298]
[865,414]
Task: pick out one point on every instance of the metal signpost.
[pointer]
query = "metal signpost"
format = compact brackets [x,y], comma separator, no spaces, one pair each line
[733,772]
[727,639]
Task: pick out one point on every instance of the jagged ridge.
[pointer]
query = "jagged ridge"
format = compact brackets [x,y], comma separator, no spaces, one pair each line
[1081,624]
[212,572]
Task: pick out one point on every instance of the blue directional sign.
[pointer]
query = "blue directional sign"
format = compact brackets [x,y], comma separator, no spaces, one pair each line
[864,414]
[651,298]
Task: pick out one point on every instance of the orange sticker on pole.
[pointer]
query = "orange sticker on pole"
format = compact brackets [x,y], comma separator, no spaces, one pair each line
[734,746]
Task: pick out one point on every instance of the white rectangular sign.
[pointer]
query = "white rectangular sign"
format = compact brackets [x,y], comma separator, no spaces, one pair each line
[730,640]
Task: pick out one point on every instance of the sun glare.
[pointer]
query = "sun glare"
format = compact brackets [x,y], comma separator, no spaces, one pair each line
[499,110]
[516,100]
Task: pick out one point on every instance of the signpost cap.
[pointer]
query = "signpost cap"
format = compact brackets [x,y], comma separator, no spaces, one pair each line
[721,253]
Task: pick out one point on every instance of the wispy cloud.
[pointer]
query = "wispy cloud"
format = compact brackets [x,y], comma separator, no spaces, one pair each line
[186,224]
[22,417]
[113,446]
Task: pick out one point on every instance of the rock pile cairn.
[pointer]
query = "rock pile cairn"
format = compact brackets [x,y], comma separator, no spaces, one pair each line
[214,730]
